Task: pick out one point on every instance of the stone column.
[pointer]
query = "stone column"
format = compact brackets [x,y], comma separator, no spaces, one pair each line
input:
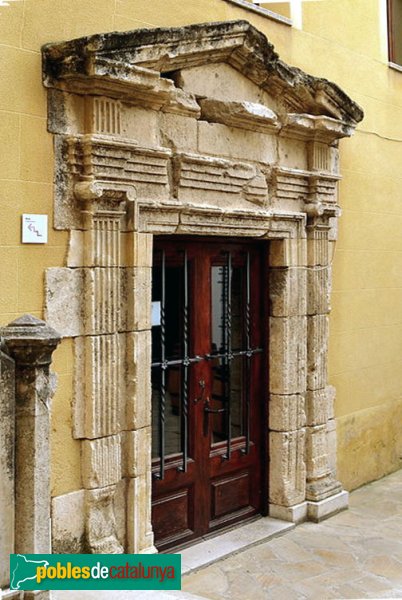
[138,437]
[287,368]
[100,385]
[31,343]
[324,493]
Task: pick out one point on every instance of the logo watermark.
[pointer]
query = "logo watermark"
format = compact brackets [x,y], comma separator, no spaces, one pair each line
[95,572]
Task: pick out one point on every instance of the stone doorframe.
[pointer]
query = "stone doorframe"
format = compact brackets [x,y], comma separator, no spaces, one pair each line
[199,130]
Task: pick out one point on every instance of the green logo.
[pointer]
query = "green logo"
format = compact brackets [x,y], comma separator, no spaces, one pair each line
[95,571]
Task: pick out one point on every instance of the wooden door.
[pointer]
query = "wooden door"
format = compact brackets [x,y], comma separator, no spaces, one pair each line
[208,387]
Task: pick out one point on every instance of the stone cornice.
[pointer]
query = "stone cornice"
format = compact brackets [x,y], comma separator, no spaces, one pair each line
[123,61]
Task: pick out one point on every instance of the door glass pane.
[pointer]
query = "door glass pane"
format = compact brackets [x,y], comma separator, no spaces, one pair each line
[227,340]
[167,384]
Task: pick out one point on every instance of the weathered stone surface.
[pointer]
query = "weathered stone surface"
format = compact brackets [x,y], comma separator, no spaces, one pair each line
[137,249]
[288,252]
[287,292]
[100,521]
[101,462]
[317,452]
[323,158]
[222,82]
[31,343]
[139,528]
[318,290]
[99,385]
[245,115]
[145,168]
[68,523]
[287,355]
[319,406]
[286,413]
[292,154]
[236,42]
[7,465]
[287,482]
[140,124]
[317,354]
[332,444]
[318,128]
[217,181]
[64,300]
[75,256]
[178,133]
[137,452]
[136,298]
[237,143]
[318,254]
[138,380]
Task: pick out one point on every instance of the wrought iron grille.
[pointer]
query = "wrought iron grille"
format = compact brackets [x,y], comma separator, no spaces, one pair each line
[172,362]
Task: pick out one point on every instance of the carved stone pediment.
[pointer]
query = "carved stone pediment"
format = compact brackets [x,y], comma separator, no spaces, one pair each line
[132,60]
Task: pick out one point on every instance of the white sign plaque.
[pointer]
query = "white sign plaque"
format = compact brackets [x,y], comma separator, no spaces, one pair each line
[34,229]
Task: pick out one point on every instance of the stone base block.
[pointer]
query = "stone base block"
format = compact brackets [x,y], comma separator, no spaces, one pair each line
[318,511]
[68,523]
[295,514]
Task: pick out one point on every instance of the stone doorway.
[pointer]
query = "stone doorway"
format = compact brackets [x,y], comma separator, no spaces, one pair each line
[196,131]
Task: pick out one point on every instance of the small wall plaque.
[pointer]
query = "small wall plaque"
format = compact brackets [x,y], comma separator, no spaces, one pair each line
[34,229]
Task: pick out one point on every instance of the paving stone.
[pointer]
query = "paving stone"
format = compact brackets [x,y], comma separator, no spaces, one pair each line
[355,554]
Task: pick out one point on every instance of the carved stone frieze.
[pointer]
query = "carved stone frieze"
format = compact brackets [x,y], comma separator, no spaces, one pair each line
[204,178]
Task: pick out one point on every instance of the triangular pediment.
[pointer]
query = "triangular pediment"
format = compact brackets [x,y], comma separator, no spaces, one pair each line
[149,59]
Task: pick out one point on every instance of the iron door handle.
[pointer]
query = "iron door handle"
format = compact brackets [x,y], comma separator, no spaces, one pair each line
[201,383]
[214,411]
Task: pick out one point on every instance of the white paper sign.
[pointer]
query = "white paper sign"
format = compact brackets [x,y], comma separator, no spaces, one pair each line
[156,314]
[34,229]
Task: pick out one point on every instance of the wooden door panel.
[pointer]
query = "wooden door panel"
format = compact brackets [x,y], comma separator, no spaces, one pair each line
[218,481]
[230,494]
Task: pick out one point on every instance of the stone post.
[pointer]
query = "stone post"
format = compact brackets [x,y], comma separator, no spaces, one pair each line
[31,343]
[323,492]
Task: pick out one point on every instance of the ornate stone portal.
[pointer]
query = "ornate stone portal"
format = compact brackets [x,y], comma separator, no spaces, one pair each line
[197,130]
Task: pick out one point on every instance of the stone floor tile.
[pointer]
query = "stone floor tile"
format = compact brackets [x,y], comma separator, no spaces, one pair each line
[385,566]
[292,571]
[355,554]
[281,592]
[210,582]
[289,550]
[336,558]
[347,590]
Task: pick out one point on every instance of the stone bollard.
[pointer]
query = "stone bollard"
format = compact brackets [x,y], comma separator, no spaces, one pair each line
[30,342]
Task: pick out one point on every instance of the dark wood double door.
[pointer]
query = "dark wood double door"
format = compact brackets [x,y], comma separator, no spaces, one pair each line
[207,387]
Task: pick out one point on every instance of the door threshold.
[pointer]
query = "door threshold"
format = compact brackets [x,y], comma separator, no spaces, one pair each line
[231,542]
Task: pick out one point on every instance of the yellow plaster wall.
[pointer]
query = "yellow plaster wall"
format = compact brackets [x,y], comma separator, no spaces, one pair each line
[342,40]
